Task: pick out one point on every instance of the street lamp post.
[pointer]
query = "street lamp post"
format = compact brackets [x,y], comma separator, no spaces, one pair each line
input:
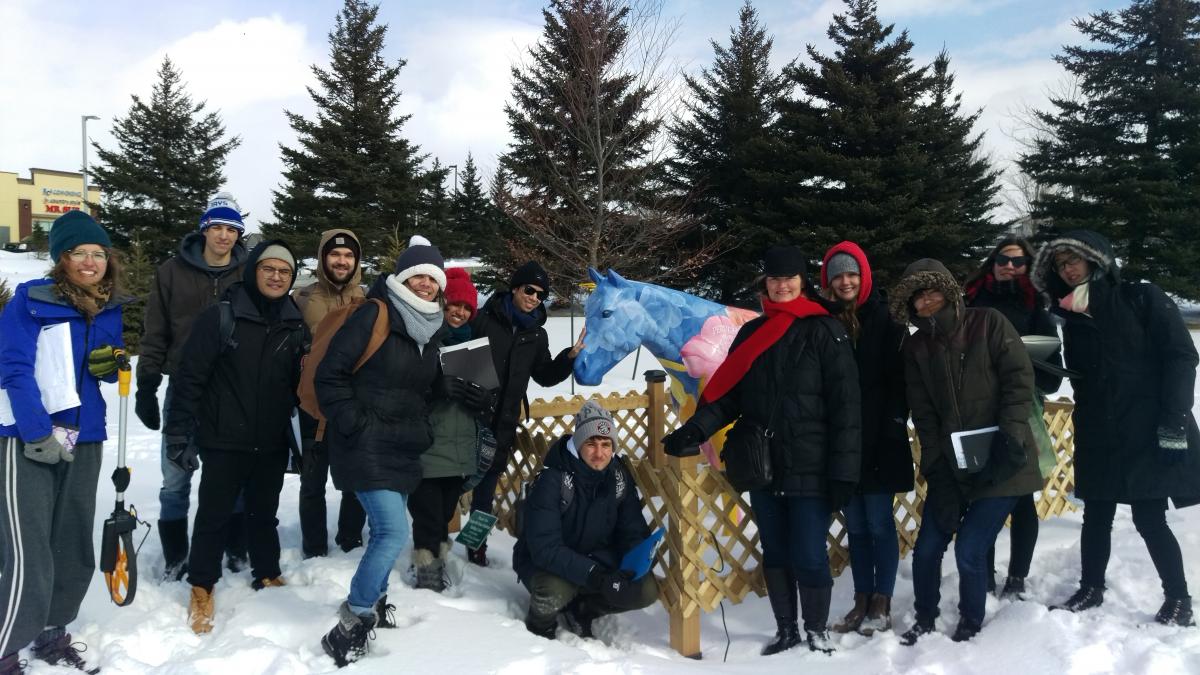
[83,123]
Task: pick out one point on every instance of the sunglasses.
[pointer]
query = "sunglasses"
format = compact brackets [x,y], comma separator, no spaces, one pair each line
[1015,260]
[533,290]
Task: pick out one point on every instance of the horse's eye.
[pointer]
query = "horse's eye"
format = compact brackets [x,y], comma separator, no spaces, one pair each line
[606,313]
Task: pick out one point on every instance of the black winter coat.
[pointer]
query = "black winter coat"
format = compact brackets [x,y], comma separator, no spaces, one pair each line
[1137,365]
[518,355]
[379,416]
[240,396]
[887,461]
[1027,314]
[809,381]
[602,522]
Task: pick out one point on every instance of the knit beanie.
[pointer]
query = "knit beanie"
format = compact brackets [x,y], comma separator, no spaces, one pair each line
[277,252]
[530,273]
[421,257]
[75,228]
[344,239]
[841,263]
[460,289]
[591,421]
[783,261]
[222,210]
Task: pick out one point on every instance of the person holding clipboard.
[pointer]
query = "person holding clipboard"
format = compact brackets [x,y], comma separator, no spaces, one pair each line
[966,369]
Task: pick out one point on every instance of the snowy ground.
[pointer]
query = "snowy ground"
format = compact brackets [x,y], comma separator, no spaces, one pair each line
[476,626]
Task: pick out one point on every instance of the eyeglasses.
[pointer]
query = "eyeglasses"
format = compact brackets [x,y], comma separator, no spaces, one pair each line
[1014,260]
[1067,262]
[281,272]
[533,290]
[80,256]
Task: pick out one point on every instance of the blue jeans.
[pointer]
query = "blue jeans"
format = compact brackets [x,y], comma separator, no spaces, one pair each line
[976,534]
[175,495]
[792,531]
[874,549]
[387,516]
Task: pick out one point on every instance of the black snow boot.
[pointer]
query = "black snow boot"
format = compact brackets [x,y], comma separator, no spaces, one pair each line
[174,537]
[236,558]
[385,613]
[478,556]
[1086,597]
[814,606]
[781,591]
[923,626]
[11,665]
[580,617]
[1014,588]
[54,646]
[965,630]
[347,641]
[1176,612]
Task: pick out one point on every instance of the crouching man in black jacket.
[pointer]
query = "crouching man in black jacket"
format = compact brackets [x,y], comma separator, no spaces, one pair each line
[234,391]
[581,516]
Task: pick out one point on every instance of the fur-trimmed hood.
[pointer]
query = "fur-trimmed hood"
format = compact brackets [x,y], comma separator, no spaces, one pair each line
[1091,246]
[924,273]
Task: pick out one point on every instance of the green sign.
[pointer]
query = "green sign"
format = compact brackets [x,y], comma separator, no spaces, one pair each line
[476,531]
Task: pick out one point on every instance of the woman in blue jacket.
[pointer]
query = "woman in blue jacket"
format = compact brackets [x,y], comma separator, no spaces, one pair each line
[50,461]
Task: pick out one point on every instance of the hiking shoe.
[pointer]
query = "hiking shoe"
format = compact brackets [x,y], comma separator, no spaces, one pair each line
[1014,589]
[1086,597]
[271,582]
[1176,612]
[385,613]
[854,618]
[818,641]
[879,615]
[921,627]
[54,646]
[200,611]
[347,642]
[478,556]
[11,665]
[965,630]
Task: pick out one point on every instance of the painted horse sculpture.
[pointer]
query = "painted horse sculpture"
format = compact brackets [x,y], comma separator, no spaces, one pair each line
[689,336]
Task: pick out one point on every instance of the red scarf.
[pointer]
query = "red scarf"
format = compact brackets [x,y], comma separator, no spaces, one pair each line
[780,316]
[988,281]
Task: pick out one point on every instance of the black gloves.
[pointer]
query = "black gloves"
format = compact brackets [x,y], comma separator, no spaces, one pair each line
[1172,443]
[146,406]
[839,493]
[684,441]
[470,395]
[182,454]
[949,505]
[618,588]
[48,451]
[1007,457]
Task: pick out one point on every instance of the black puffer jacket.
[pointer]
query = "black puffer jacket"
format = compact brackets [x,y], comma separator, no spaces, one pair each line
[1020,303]
[600,524]
[378,416]
[240,395]
[518,355]
[809,379]
[1137,365]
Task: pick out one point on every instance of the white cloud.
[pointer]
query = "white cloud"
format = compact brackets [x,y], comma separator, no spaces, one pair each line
[929,7]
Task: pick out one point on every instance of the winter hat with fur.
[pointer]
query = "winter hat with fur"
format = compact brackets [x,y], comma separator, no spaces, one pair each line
[592,421]
[421,257]
[460,289]
[922,274]
[1091,246]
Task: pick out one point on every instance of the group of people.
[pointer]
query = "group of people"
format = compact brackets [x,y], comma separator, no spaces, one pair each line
[831,375]
[831,372]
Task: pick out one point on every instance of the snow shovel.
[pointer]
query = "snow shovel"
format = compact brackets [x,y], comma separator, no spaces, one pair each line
[118,557]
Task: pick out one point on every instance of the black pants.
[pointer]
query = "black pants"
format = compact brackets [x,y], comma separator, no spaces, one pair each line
[432,506]
[485,493]
[224,474]
[314,475]
[1150,519]
[1022,537]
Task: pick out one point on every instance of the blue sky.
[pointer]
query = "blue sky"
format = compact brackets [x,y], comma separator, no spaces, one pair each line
[251,60]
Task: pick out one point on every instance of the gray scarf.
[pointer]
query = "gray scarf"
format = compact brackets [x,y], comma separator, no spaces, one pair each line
[421,325]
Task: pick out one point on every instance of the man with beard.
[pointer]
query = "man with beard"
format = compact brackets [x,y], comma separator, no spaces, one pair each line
[337,285]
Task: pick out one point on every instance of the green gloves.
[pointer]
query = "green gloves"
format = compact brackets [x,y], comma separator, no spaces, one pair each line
[102,362]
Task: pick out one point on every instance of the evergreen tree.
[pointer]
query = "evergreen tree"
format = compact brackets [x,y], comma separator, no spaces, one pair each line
[584,182]
[1124,158]
[435,221]
[877,152]
[474,216]
[170,158]
[351,167]
[720,145]
[138,270]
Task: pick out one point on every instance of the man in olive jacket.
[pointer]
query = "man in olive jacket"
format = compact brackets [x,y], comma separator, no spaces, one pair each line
[965,369]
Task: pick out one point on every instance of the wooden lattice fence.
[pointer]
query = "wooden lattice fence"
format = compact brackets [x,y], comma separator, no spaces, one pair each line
[712,550]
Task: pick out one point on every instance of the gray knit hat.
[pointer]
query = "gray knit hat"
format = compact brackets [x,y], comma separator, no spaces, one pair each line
[841,263]
[592,421]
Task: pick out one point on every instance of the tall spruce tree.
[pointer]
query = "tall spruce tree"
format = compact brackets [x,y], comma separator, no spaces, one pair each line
[877,151]
[720,145]
[351,167]
[1124,158]
[584,180]
[170,158]
[474,215]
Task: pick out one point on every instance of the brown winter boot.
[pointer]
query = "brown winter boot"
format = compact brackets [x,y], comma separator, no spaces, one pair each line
[200,614]
[879,615]
[267,582]
[855,616]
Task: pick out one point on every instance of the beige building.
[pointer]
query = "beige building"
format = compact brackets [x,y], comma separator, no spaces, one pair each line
[34,202]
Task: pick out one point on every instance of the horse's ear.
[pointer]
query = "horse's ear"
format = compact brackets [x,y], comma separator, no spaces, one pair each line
[616,279]
[594,275]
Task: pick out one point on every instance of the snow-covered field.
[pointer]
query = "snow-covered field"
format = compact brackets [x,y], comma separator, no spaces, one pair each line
[477,625]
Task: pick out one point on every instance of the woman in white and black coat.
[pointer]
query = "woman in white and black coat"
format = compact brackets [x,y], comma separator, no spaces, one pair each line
[1136,441]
